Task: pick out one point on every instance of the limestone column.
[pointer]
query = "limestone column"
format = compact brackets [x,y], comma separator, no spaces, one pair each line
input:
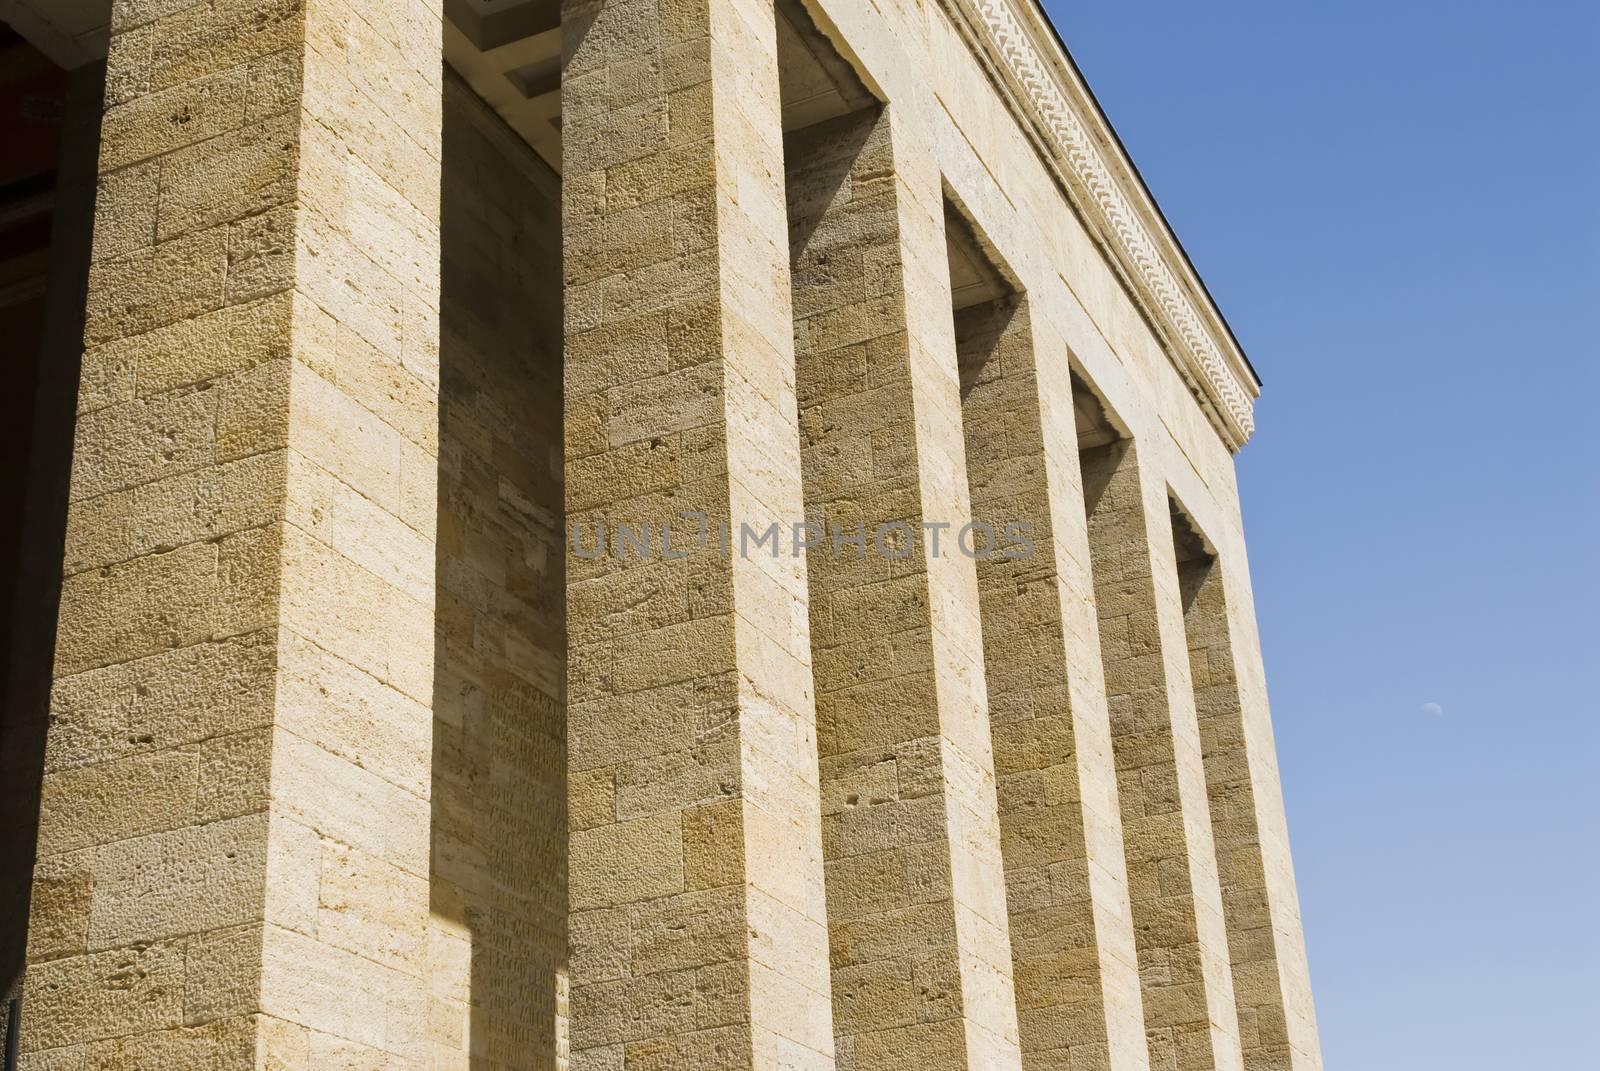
[698,931]
[1271,982]
[916,892]
[1072,946]
[1190,1020]
[234,839]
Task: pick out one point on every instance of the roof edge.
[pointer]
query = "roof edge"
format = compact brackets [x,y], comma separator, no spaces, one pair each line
[1054,103]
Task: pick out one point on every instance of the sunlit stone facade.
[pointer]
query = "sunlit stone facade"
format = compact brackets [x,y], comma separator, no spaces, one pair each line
[648,535]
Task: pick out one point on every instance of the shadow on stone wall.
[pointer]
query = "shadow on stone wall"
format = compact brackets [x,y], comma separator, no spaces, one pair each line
[36,417]
[499,902]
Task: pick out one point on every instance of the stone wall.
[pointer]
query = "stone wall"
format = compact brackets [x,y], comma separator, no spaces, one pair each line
[1256,943]
[916,897]
[1076,975]
[1190,1019]
[698,922]
[233,844]
[499,900]
[38,415]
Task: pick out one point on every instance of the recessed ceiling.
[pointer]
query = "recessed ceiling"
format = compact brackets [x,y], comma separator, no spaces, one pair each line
[974,277]
[815,83]
[1188,544]
[1094,426]
[509,52]
[70,32]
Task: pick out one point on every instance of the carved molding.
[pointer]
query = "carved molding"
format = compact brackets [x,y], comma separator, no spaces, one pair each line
[1099,179]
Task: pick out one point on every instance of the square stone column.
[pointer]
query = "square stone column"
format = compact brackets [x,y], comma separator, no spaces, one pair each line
[1072,946]
[1271,981]
[234,835]
[916,892]
[698,930]
[1190,1019]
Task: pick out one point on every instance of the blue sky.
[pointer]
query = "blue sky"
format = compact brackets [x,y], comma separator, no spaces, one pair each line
[1395,204]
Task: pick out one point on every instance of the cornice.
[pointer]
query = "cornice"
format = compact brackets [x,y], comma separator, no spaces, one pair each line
[1057,110]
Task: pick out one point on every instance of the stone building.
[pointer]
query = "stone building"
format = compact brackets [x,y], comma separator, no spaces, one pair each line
[477,581]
